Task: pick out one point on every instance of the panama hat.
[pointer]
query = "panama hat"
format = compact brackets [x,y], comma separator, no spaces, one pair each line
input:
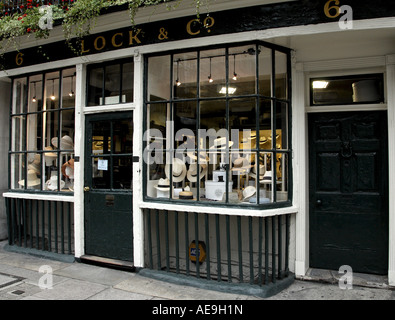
[163,184]
[241,165]
[253,172]
[32,179]
[179,170]
[220,144]
[192,172]
[248,192]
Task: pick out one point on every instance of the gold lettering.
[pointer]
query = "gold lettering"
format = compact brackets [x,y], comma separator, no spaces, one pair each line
[114,44]
[327,9]
[189,30]
[95,44]
[83,47]
[208,22]
[19,59]
[134,37]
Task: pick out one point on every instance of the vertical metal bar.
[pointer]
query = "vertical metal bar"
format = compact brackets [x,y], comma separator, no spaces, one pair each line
[260,251]
[280,245]
[56,224]
[273,249]
[207,231]
[287,223]
[31,222]
[43,225]
[37,225]
[158,239]
[148,215]
[69,226]
[62,227]
[166,213]
[240,249]
[218,239]
[49,226]
[228,248]
[266,251]
[251,250]
[19,222]
[24,212]
[9,220]
[197,244]
[186,242]
[177,242]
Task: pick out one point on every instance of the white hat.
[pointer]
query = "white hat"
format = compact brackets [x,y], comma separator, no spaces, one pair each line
[203,158]
[52,183]
[220,144]
[163,184]
[49,154]
[179,170]
[32,179]
[192,172]
[267,176]
[241,165]
[248,192]
[253,172]
[66,143]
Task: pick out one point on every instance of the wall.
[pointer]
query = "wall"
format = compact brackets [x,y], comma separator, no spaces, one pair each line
[4,140]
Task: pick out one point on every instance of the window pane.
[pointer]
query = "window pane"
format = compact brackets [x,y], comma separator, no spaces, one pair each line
[282,176]
[122,172]
[212,73]
[347,90]
[95,86]
[185,125]
[18,133]
[51,129]
[185,75]
[68,88]
[158,78]
[35,101]
[101,137]
[123,137]
[281,126]
[34,132]
[157,117]
[101,179]
[242,70]
[242,114]
[52,90]
[265,124]
[112,85]
[19,96]
[128,81]
[265,71]
[281,75]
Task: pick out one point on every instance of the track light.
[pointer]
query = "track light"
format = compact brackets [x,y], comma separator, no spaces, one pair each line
[53,98]
[210,79]
[34,97]
[71,93]
[234,68]
[178,82]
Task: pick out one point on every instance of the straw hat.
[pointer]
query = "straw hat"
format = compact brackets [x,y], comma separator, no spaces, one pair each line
[253,172]
[248,192]
[66,143]
[220,144]
[179,170]
[32,179]
[241,165]
[163,184]
[192,172]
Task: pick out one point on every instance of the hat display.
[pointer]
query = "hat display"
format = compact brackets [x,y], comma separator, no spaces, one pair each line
[262,170]
[179,170]
[192,172]
[163,184]
[220,144]
[66,143]
[262,140]
[52,183]
[241,165]
[248,192]
[267,176]
[32,179]
[203,158]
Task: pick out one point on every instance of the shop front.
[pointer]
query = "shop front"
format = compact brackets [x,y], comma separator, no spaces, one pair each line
[236,149]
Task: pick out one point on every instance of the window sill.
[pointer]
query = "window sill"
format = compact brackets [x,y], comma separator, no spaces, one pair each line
[258,211]
[40,196]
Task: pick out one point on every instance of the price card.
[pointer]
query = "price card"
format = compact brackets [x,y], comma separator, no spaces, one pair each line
[102,165]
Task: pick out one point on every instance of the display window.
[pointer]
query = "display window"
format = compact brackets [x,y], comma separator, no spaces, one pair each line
[216,126]
[42,132]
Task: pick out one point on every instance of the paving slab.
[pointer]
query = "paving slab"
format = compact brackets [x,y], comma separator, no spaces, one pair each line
[117,294]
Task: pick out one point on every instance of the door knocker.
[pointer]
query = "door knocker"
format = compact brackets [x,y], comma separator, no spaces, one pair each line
[346,150]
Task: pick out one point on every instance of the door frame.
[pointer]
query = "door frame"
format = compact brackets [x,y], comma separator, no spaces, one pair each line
[301,74]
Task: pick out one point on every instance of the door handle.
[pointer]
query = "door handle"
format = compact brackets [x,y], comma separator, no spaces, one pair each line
[86,189]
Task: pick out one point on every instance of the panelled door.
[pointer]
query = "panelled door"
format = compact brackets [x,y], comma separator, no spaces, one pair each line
[108,186]
[349,191]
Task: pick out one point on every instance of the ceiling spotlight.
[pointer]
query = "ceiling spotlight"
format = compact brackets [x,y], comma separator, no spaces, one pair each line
[210,79]
[234,68]
[178,82]
[34,99]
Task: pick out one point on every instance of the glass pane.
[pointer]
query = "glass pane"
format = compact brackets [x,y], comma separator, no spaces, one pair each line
[68,88]
[158,184]
[18,133]
[265,124]
[261,175]
[112,85]
[185,126]
[67,171]
[242,117]
[18,173]
[281,75]
[123,136]
[122,172]
[35,101]
[101,173]
[158,78]
[282,177]
[265,71]
[212,120]
[52,90]
[19,96]
[101,137]
[242,70]
[67,118]
[347,90]
[281,126]
[128,81]
[95,86]
[51,129]
[34,132]
[243,186]
[212,73]
[157,117]
[185,75]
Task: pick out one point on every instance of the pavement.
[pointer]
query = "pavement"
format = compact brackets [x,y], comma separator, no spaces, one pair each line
[28,277]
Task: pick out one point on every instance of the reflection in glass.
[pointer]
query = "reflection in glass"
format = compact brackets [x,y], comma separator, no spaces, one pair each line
[159,78]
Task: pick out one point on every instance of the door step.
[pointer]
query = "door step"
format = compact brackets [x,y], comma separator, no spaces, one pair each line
[109,263]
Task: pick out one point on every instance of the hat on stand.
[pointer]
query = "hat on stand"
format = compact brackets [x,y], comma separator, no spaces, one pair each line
[32,179]
[220,144]
[253,172]
[163,184]
[192,172]
[179,170]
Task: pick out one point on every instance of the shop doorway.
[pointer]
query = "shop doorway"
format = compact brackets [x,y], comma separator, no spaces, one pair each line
[108,186]
[348,176]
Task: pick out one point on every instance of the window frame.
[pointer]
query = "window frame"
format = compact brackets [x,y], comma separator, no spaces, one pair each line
[198,99]
[25,113]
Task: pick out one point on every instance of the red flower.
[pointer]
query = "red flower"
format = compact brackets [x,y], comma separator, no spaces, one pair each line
[28,30]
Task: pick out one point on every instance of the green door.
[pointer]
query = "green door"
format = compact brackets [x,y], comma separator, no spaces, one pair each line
[349,191]
[108,186]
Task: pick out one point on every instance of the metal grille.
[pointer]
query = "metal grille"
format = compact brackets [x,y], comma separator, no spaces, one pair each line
[237,249]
